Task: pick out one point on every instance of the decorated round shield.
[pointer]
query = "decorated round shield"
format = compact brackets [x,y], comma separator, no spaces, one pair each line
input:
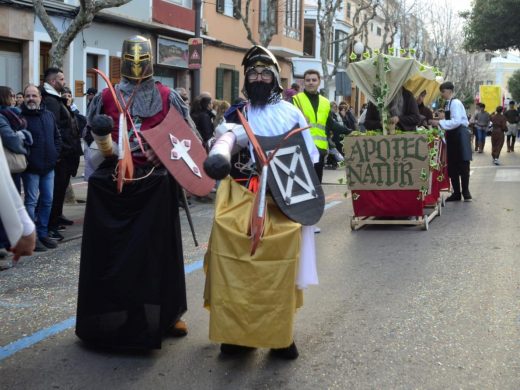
[292,180]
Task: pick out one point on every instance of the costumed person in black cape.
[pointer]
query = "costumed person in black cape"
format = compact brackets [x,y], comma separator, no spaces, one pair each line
[132,289]
[256,267]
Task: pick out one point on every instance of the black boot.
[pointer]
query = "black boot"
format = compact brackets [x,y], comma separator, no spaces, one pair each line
[455,184]
[464,180]
[288,353]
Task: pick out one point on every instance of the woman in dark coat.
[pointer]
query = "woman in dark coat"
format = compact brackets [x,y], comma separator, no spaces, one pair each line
[202,115]
[497,136]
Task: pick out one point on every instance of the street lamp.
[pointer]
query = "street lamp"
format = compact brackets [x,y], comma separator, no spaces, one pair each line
[358,51]
[358,48]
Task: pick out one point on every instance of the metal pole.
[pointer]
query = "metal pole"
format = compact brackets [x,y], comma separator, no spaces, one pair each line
[195,90]
[188,215]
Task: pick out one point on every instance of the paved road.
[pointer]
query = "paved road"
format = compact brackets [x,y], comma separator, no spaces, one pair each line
[397,307]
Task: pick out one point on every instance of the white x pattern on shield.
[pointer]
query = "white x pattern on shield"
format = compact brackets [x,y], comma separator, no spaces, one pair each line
[305,182]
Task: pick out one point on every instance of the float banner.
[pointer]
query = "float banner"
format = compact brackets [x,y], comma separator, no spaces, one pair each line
[391,162]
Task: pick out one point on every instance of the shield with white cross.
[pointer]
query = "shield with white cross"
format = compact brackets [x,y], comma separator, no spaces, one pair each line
[292,180]
[181,152]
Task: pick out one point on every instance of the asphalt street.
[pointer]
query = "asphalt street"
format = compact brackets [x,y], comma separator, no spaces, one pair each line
[397,307]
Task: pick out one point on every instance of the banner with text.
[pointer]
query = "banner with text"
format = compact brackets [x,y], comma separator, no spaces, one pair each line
[392,162]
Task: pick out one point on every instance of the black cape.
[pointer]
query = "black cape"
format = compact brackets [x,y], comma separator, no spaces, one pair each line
[131,281]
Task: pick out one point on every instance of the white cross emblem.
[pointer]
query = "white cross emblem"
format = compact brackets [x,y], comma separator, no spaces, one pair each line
[181,151]
[304,182]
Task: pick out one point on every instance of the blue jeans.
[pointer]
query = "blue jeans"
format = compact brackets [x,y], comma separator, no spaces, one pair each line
[481,134]
[38,192]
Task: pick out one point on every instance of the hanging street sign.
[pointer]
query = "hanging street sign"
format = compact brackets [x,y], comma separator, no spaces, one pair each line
[194,53]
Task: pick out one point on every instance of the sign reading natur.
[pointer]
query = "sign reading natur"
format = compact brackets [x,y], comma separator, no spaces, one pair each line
[391,162]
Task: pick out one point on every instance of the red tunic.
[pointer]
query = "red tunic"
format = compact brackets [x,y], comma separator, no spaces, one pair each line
[110,109]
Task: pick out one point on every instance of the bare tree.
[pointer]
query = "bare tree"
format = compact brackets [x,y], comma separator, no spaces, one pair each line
[445,35]
[400,17]
[268,21]
[467,71]
[389,11]
[326,15]
[407,9]
[85,14]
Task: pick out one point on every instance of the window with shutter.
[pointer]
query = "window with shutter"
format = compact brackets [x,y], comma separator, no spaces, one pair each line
[219,90]
[115,69]
[220,6]
[235,86]
[237,5]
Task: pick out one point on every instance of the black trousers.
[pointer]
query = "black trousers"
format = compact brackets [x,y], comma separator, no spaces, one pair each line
[62,176]
[318,167]
[459,177]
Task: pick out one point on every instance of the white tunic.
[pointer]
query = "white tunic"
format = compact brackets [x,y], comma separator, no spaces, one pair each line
[273,120]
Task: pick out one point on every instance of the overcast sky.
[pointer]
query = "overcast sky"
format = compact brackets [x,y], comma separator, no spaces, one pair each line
[461,5]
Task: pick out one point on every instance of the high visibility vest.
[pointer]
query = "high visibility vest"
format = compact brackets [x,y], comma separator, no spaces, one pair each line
[317,121]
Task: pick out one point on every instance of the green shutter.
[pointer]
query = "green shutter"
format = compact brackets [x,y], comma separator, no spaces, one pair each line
[220,6]
[235,86]
[237,5]
[219,93]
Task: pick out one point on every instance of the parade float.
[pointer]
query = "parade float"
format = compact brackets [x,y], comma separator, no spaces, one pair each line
[395,177]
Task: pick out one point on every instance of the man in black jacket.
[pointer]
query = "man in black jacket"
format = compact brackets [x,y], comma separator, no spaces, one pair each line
[68,160]
[38,178]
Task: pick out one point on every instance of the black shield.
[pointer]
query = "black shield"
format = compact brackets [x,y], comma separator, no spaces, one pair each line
[292,180]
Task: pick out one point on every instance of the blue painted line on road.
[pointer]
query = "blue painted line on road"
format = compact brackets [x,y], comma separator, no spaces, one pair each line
[26,342]
[18,345]
[332,204]
[189,268]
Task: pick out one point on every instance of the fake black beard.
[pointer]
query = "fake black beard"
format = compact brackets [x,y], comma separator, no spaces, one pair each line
[259,93]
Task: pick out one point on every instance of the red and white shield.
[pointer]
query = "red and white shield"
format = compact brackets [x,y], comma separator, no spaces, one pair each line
[181,152]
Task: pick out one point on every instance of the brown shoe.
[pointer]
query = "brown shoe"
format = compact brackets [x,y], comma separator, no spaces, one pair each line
[179,329]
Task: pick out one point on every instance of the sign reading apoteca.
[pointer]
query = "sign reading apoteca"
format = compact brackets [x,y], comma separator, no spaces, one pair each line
[392,162]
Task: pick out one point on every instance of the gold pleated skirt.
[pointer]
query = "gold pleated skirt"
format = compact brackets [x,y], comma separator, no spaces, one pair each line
[252,299]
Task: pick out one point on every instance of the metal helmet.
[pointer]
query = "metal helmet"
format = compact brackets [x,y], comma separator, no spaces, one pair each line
[136,58]
[260,56]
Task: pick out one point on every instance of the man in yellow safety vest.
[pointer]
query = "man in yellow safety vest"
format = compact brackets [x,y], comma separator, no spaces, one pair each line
[316,110]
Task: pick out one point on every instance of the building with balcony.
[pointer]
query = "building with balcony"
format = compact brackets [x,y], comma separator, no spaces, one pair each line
[25,44]
[226,42]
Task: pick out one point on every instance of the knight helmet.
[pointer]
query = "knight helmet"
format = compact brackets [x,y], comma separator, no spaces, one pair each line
[136,58]
[260,56]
